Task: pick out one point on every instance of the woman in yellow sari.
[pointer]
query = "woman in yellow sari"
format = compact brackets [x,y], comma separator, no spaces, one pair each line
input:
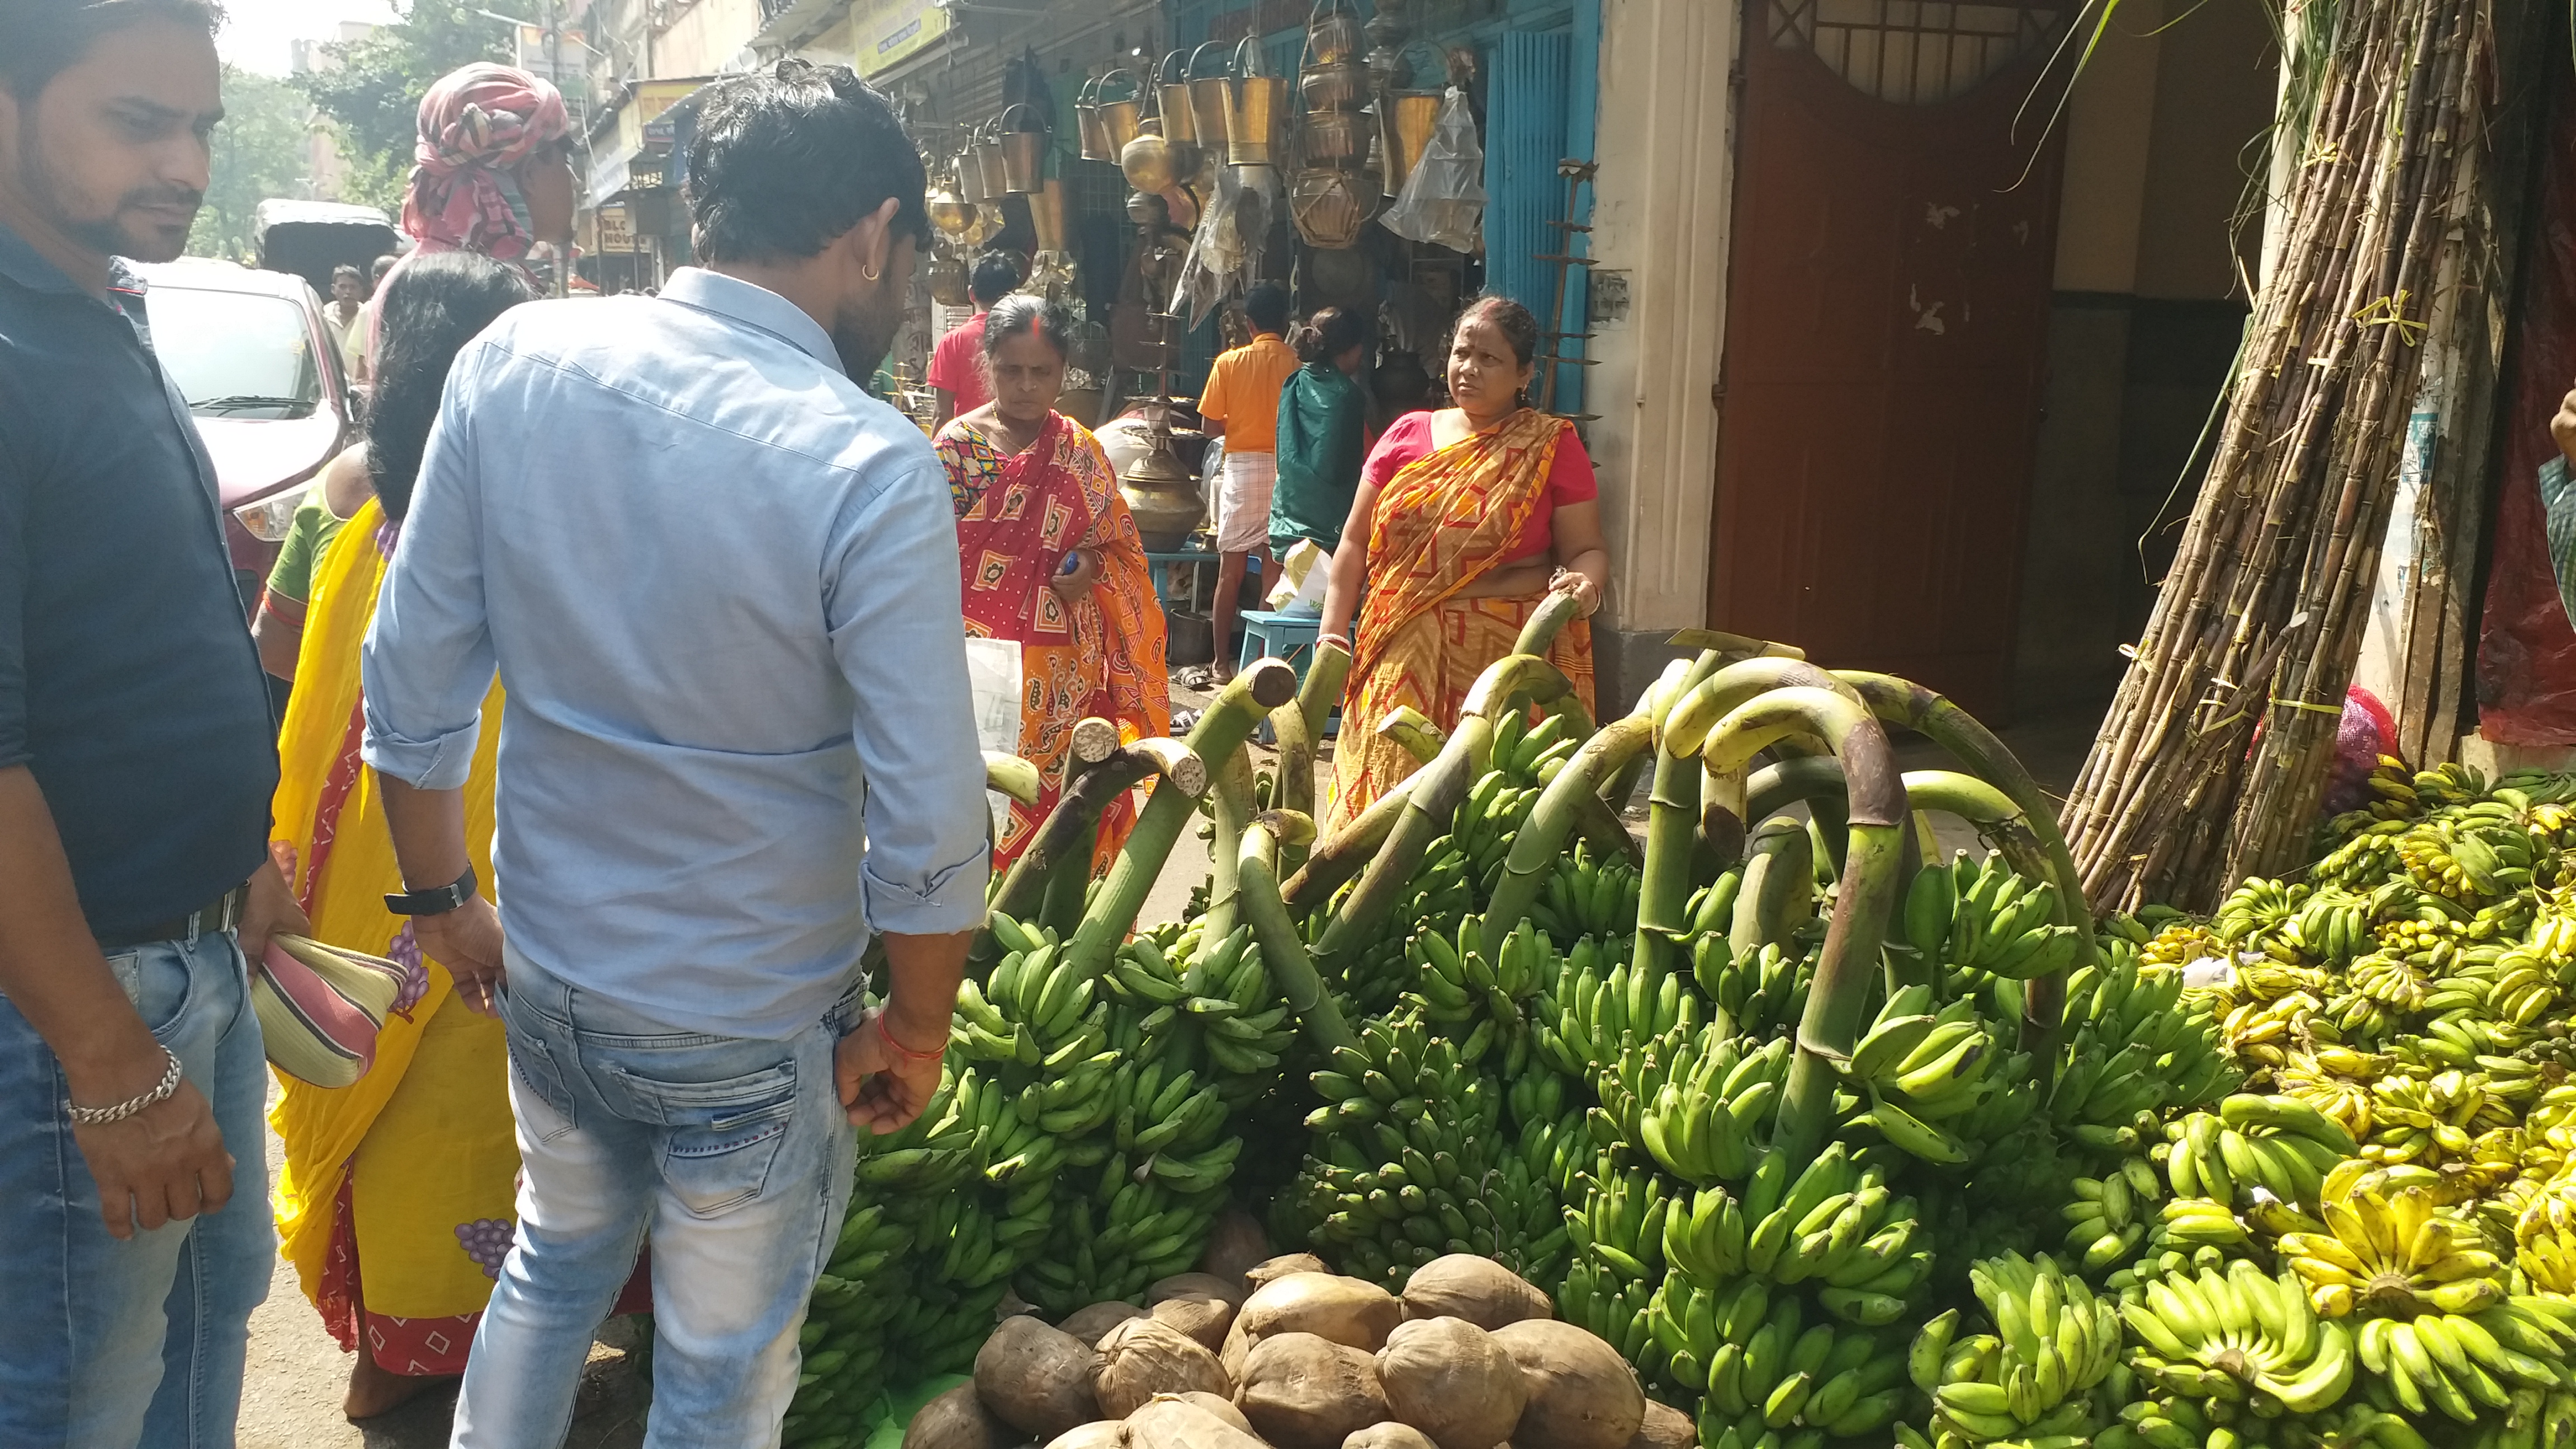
[1465,520]
[395,1205]
[1049,559]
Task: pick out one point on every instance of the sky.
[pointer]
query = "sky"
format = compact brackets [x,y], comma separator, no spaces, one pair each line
[257,33]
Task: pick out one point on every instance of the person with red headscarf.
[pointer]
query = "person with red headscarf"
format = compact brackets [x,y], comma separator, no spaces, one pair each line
[491,173]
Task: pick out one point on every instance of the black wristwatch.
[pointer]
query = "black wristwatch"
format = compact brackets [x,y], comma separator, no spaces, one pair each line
[434,902]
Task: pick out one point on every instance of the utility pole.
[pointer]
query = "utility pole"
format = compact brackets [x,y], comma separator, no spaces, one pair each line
[554,74]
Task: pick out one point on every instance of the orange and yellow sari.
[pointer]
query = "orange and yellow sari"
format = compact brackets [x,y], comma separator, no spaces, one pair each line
[1442,522]
[1019,515]
[396,1202]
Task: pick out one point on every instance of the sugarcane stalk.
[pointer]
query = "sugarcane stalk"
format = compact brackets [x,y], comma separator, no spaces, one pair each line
[1228,721]
[1231,808]
[1672,815]
[1907,705]
[1414,731]
[1848,964]
[1541,837]
[1283,951]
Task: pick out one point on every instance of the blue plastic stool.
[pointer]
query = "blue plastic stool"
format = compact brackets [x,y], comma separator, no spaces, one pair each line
[1290,637]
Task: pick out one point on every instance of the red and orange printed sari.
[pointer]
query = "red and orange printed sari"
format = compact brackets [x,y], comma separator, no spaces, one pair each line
[1018,517]
[1442,522]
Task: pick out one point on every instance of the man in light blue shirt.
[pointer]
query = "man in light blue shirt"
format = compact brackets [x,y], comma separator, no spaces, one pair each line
[719,583]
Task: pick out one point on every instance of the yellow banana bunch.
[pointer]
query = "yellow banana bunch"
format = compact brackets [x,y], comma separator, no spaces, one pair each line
[2391,981]
[2180,944]
[2390,1251]
[2544,1235]
[2340,1091]
[2240,1336]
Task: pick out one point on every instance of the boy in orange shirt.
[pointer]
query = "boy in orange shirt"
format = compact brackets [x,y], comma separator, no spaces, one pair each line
[1241,405]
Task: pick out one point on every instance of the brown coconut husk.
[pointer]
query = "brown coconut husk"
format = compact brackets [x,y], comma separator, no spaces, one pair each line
[1393,1434]
[957,1419]
[1582,1394]
[1236,1245]
[1346,1310]
[1479,1290]
[1143,1357]
[1098,1434]
[1197,1305]
[1037,1379]
[1260,1274]
[1665,1427]
[1449,1379]
[1172,1422]
[1304,1391]
[1092,1323]
[1221,1407]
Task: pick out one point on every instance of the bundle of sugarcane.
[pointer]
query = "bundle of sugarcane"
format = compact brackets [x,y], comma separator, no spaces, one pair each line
[2211,762]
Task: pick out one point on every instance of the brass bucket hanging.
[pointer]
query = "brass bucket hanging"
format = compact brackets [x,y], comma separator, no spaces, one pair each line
[1093,136]
[993,178]
[1255,104]
[1123,119]
[1172,93]
[1046,215]
[1333,138]
[1211,96]
[970,177]
[1023,148]
[948,279]
[1407,120]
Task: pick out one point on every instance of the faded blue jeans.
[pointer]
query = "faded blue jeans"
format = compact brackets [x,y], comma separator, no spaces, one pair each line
[731,1156]
[106,1345]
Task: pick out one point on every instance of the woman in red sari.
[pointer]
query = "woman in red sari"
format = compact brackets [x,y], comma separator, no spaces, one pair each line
[1050,560]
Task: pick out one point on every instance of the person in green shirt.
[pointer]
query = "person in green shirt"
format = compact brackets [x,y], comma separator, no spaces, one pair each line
[1323,432]
[339,493]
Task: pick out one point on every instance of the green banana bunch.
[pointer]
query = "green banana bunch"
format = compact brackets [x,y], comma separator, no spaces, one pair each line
[1600,1004]
[1770,1372]
[1581,898]
[2279,1144]
[2029,1379]
[2241,1336]
[1707,1127]
[2461,1364]
[2106,1222]
[1998,922]
[2142,1044]
[1759,991]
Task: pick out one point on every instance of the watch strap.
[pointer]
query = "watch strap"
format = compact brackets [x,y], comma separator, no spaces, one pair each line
[435,902]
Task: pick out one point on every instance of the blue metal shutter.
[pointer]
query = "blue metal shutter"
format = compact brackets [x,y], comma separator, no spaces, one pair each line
[1529,127]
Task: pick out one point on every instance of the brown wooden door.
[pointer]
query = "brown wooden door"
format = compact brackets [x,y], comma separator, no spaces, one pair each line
[1888,310]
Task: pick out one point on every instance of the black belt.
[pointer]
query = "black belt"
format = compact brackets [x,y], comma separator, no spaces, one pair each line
[223,915]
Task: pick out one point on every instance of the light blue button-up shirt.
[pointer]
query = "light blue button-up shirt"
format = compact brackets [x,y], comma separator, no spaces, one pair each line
[720,585]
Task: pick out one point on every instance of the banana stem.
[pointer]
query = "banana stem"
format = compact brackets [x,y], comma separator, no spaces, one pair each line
[1429,808]
[1849,961]
[1321,689]
[1293,783]
[1779,891]
[1231,805]
[1413,730]
[1800,780]
[1069,833]
[1346,853]
[1068,882]
[1672,815]
[1283,952]
[1542,836]
[1606,831]
[1221,731]
[1545,622]
[1928,713]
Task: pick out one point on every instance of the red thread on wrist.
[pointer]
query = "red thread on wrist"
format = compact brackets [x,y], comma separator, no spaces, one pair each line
[904,1052]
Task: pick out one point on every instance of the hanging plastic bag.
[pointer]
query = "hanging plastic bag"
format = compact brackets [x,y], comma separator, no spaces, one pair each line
[1225,253]
[1444,198]
[993,681]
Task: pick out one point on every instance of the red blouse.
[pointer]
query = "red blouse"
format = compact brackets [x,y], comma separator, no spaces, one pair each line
[1569,478]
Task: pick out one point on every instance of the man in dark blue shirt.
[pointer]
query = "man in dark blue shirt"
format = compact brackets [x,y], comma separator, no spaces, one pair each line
[136,766]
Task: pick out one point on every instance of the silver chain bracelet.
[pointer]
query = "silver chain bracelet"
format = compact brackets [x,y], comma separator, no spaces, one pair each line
[101,1116]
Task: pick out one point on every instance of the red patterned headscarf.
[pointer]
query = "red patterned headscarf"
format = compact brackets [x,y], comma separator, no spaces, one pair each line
[474,123]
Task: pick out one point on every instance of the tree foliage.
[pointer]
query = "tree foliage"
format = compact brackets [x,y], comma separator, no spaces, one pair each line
[373,88]
[260,150]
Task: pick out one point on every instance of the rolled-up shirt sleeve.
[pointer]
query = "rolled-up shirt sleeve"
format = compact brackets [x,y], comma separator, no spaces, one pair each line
[891,601]
[428,659]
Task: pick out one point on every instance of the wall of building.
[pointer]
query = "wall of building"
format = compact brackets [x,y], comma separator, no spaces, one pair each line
[2148,311]
[705,37]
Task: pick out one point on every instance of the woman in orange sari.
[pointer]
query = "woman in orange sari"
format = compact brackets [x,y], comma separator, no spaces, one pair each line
[1465,520]
[1051,561]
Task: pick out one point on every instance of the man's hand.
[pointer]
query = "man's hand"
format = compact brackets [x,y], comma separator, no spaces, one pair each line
[164,1164]
[882,1089]
[467,941]
[271,909]
[2563,427]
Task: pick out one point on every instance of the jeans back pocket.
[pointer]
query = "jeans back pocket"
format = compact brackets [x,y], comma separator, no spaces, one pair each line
[720,1138]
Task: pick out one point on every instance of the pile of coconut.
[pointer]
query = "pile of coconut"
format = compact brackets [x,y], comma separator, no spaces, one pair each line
[1293,1357]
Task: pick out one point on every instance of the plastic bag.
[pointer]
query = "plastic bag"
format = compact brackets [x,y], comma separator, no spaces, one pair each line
[1303,571]
[1444,198]
[993,681]
[1225,252]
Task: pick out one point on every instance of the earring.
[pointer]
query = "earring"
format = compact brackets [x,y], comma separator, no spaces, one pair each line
[871,273]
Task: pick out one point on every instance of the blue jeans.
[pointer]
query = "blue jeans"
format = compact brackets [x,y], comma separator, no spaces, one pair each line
[107,1344]
[731,1156]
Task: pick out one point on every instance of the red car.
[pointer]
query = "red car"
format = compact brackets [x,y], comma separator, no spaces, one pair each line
[251,353]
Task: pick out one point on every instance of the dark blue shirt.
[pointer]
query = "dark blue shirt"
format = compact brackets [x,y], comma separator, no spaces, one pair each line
[128,683]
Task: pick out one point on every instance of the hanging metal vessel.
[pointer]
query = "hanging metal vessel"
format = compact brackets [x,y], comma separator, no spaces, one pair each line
[1332,33]
[989,222]
[1147,162]
[1121,119]
[1046,215]
[1162,496]
[1255,105]
[948,279]
[1024,148]
[970,177]
[949,211]
[1210,97]
[1094,138]
[1334,138]
[1329,206]
[996,179]
[1342,85]
[1172,91]
[1407,119]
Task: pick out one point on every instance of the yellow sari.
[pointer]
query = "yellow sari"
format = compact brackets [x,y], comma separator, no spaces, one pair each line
[1443,521]
[396,1202]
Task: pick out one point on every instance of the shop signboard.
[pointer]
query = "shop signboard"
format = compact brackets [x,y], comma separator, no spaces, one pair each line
[616,229]
[885,33]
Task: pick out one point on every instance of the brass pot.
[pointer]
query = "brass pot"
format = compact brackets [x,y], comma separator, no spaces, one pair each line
[1334,138]
[1121,120]
[1172,91]
[1023,149]
[1147,161]
[1340,86]
[948,280]
[1328,206]
[1163,497]
[1332,32]
[1094,138]
[996,179]
[1255,105]
[989,222]
[970,177]
[949,212]
[1046,215]
[1407,119]
[1210,97]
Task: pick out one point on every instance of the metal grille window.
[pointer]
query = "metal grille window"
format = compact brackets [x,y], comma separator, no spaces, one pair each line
[1911,52]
